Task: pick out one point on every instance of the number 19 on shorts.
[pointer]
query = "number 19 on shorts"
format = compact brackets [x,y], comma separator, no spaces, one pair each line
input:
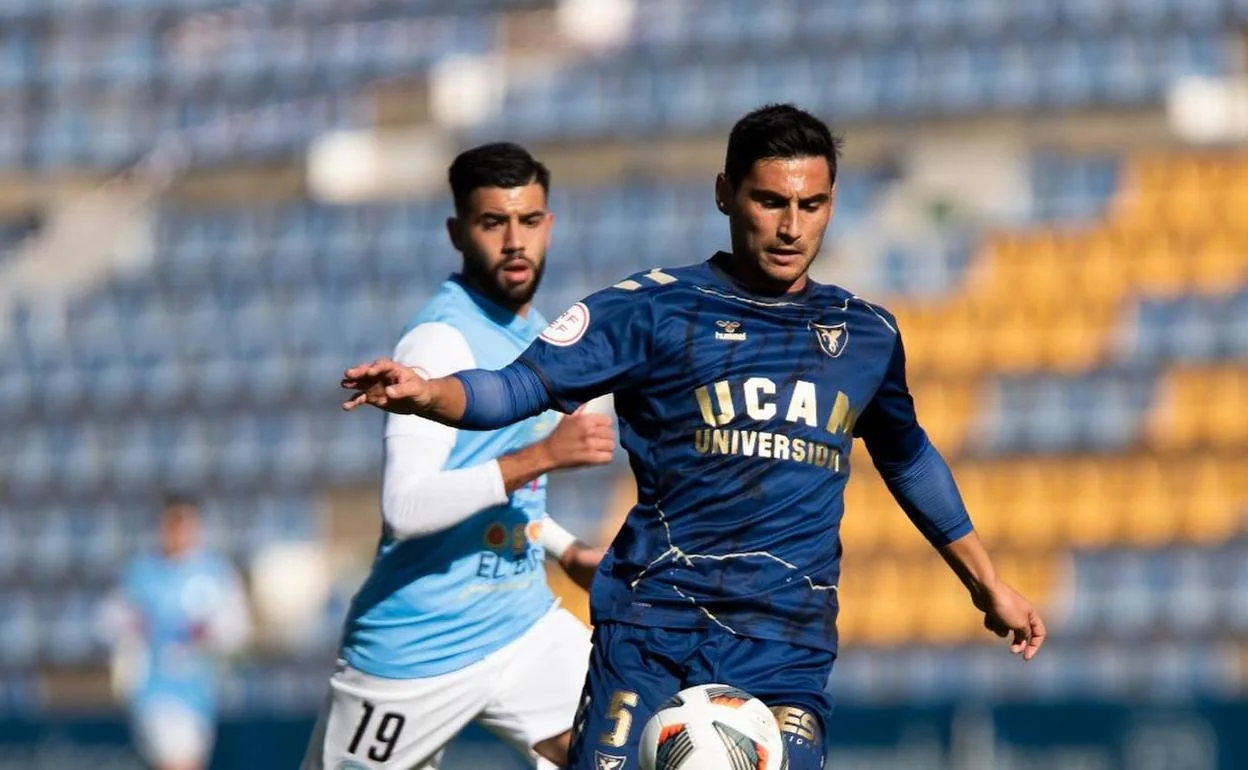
[379,744]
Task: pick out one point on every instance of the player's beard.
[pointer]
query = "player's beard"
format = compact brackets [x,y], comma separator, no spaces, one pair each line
[494,284]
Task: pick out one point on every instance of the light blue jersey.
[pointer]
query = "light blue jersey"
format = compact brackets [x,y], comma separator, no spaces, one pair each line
[177,604]
[438,603]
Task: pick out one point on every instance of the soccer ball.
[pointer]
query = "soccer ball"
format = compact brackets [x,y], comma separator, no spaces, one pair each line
[712,727]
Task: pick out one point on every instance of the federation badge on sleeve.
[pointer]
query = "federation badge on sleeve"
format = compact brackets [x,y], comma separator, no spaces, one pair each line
[569,327]
[832,339]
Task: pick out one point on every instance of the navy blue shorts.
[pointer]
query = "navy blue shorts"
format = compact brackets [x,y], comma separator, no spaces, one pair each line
[633,670]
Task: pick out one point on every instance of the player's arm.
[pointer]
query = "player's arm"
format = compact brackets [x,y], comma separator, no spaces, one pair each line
[420,496]
[229,629]
[923,485]
[579,560]
[600,345]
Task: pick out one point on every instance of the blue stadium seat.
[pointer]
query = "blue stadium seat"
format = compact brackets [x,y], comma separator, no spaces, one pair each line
[1234,326]
[20,636]
[98,539]
[68,624]
[48,546]
[11,540]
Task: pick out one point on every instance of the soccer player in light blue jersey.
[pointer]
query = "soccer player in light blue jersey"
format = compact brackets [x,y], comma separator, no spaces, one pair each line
[176,612]
[456,622]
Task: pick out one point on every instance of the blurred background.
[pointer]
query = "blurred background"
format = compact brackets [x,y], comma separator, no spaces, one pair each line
[209,207]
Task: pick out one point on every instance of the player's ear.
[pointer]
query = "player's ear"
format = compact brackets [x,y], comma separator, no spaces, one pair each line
[455,233]
[723,193]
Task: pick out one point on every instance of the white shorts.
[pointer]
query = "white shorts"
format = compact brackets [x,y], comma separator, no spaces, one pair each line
[524,693]
[168,733]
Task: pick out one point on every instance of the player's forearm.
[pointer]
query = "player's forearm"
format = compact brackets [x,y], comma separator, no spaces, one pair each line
[524,466]
[422,505]
[488,400]
[579,560]
[447,401]
[420,497]
[970,562]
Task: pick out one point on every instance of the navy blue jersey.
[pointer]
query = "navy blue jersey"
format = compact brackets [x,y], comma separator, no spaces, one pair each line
[738,413]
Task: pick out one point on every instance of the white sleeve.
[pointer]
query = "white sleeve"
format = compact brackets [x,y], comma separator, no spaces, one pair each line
[554,538]
[230,625]
[418,496]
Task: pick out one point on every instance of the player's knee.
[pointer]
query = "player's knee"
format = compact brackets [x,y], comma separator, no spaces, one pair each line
[803,738]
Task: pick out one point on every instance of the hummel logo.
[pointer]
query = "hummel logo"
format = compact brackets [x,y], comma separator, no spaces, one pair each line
[729,331]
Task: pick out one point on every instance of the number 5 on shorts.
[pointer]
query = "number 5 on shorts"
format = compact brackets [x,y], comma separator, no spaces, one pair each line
[621,717]
[386,738]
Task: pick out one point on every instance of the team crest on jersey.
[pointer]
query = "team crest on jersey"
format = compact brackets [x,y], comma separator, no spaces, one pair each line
[832,339]
[608,761]
[729,331]
[569,327]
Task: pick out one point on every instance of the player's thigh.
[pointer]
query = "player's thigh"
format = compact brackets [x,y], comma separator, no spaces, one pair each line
[380,724]
[793,681]
[538,690]
[629,677]
[172,734]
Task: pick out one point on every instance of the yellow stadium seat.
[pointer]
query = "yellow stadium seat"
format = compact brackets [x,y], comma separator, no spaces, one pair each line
[1099,274]
[1160,268]
[1091,514]
[1225,408]
[1154,511]
[1011,338]
[1028,521]
[887,616]
[1073,338]
[1213,514]
[1170,423]
[947,613]
[1233,213]
[1216,263]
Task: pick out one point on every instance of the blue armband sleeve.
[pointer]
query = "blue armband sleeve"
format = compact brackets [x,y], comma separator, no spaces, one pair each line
[925,490]
[496,399]
[916,474]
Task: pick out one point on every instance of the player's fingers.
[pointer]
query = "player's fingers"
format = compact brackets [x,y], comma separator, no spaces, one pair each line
[1020,640]
[354,401]
[603,432]
[405,389]
[358,371]
[1038,633]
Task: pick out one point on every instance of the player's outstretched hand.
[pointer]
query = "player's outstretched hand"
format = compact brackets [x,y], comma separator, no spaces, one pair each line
[387,385]
[1007,613]
[581,439]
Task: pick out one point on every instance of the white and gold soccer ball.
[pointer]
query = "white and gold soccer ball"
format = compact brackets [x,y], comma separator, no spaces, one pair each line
[712,727]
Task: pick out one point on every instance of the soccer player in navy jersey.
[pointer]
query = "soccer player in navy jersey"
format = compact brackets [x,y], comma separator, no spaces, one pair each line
[739,384]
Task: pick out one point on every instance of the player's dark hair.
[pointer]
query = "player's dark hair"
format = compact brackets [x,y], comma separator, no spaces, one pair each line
[499,164]
[178,499]
[778,131]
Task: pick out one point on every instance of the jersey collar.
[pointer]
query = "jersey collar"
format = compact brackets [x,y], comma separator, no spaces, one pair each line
[497,313]
[714,265]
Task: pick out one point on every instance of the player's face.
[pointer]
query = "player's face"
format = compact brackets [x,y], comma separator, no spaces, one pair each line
[179,530]
[778,215]
[503,235]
